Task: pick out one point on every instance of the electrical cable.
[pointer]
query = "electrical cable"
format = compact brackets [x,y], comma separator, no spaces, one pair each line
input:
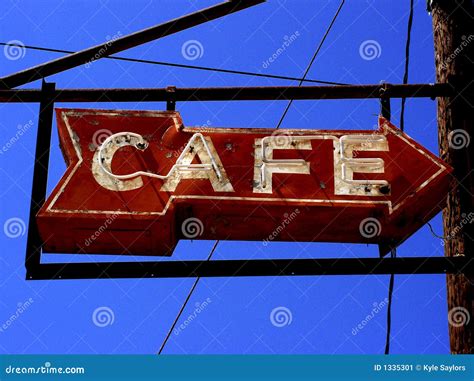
[434,233]
[407,62]
[183,66]
[216,243]
[393,252]
[185,303]
[312,60]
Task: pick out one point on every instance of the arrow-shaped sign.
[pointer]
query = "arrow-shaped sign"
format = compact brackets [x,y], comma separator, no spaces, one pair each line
[138,181]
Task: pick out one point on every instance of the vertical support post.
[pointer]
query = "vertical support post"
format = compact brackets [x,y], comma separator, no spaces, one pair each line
[385,108]
[171,102]
[454,46]
[40,176]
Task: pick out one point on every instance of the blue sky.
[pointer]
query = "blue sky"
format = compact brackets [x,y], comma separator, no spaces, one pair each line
[232,315]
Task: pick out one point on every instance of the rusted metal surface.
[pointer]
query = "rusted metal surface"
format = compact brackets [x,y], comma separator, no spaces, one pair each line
[235,93]
[138,181]
[255,267]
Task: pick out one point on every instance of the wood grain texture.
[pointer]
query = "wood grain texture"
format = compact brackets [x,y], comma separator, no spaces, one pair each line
[454,43]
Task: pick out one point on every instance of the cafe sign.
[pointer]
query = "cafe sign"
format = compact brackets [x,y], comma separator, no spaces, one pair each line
[139,181]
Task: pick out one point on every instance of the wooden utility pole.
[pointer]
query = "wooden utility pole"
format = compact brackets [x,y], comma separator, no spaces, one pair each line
[453,26]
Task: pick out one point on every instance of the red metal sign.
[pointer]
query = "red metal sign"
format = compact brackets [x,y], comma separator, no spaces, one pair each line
[138,181]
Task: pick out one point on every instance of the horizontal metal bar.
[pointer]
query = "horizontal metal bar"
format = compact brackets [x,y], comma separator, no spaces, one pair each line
[261,267]
[126,42]
[235,93]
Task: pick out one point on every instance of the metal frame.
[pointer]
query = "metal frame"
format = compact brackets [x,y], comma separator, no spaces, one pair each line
[215,268]
[48,95]
[254,267]
[171,95]
[40,176]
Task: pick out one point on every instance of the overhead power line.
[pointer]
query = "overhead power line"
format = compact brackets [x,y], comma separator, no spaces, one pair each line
[407,63]
[402,127]
[183,66]
[122,43]
[301,80]
[181,310]
[312,60]
[391,283]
